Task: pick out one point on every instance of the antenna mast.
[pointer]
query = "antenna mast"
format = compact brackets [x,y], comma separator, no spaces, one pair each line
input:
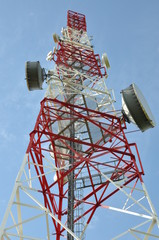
[78,155]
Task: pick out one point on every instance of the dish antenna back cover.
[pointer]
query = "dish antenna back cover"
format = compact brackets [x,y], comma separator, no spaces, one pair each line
[136,109]
[34,75]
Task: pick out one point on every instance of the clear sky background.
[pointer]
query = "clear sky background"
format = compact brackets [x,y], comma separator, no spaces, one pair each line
[127,30]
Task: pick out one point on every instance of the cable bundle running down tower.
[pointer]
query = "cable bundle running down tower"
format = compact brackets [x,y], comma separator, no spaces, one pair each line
[78,159]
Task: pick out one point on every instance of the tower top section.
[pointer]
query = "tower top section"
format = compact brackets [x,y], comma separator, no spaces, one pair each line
[76,21]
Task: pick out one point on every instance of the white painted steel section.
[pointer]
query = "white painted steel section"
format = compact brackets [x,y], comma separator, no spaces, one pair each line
[49,213]
[153,215]
[149,200]
[19,214]
[126,232]
[47,224]
[25,221]
[83,232]
[129,196]
[150,229]
[134,203]
[2,227]
[128,212]
[144,233]
[24,237]
[14,222]
[132,233]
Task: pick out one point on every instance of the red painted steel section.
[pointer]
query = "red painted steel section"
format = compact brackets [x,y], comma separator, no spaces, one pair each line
[74,57]
[76,21]
[55,193]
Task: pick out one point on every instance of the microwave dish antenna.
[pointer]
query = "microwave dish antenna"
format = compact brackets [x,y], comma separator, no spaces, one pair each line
[105,60]
[136,109]
[35,75]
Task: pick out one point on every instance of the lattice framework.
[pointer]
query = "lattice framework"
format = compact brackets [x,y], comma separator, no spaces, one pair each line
[106,166]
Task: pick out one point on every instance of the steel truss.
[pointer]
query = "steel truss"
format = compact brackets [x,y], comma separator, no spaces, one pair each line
[106,168]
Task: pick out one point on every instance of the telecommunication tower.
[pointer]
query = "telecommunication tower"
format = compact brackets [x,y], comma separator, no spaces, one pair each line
[79,158]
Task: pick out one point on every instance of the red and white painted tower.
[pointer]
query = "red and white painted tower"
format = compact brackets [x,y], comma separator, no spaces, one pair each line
[78,159]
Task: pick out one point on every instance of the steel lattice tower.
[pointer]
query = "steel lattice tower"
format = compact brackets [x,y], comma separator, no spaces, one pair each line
[78,156]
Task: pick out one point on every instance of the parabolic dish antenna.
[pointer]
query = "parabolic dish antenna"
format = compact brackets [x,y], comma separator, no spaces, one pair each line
[105,60]
[136,109]
[34,75]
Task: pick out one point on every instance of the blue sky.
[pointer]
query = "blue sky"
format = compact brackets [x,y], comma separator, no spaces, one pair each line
[127,30]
